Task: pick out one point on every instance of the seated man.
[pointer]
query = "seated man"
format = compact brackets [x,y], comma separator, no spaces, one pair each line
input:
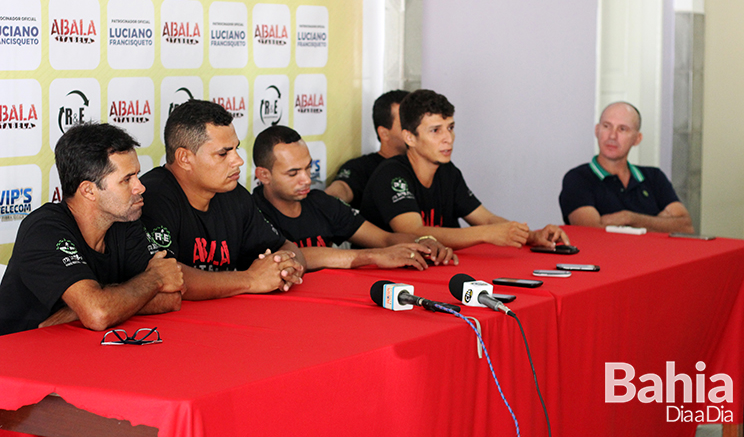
[423,193]
[315,220]
[611,191]
[88,257]
[195,209]
[352,177]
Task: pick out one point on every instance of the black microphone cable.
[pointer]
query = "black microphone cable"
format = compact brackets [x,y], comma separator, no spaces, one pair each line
[534,374]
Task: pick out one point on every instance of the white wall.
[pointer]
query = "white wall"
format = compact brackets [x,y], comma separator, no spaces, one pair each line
[521,75]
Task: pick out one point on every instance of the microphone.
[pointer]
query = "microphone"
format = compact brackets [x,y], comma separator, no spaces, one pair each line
[399,297]
[475,293]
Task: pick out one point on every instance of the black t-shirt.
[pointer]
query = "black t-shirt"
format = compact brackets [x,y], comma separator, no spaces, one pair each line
[228,236]
[323,220]
[394,189]
[648,191]
[50,255]
[356,172]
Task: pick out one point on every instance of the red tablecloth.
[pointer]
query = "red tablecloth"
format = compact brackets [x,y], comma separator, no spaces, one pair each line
[324,359]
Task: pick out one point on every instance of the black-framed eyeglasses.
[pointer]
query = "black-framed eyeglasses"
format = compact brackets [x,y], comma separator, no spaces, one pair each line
[116,337]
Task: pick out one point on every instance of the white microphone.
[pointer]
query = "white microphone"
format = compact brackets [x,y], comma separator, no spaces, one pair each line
[399,297]
[475,293]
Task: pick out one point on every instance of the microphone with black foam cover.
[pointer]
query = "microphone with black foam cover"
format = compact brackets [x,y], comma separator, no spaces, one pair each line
[399,297]
[475,293]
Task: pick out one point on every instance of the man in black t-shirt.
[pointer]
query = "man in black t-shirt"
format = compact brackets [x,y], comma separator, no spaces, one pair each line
[423,193]
[352,177]
[315,220]
[195,209]
[611,191]
[87,257]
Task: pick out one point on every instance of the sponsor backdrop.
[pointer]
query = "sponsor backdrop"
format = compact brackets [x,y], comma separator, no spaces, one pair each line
[130,62]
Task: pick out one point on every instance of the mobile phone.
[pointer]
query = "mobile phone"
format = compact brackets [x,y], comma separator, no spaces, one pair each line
[561,249]
[552,273]
[514,282]
[693,236]
[579,267]
[504,298]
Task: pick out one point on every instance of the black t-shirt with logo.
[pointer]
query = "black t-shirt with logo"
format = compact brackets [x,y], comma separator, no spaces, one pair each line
[394,189]
[324,219]
[228,236]
[356,173]
[50,255]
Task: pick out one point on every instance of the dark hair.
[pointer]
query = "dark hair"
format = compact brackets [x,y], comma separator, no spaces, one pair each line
[381,111]
[263,148]
[187,126]
[420,103]
[82,154]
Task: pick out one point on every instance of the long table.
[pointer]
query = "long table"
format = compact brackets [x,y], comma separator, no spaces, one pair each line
[323,359]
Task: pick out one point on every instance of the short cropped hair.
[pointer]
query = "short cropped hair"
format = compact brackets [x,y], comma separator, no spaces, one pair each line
[187,126]
[82,154]
[638,113]
[382,114]
[263,148]
[420,103]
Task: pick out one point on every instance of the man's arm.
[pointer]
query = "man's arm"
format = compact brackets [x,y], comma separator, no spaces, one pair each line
[269,272]
[486,227]
[674,218]
[502,234]
[399,255]
[340,190]
[101,307]
[161,303]
[547,236]
[369,235]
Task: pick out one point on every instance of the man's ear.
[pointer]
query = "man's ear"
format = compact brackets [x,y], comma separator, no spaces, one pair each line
[638,139]
[383,133]
[263,174]
[183,158]
[88,190]
[409,138]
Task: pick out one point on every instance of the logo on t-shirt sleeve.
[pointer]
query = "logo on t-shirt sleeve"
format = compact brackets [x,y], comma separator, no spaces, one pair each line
[68,248]
[162,237]
[400,186]
[344,174]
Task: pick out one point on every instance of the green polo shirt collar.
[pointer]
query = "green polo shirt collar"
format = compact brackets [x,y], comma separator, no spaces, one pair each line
[601,173]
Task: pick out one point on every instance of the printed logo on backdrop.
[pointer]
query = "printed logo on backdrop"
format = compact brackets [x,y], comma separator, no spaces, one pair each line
[310,113]
[20,35]
[312,36]
[131,34]
[182,40]
[270,102]
[271,24]
[131,101]
[74,34]
[55,187]
[697,390]
[228,35]
[20,190]
[72,101]
[20,122]
[173,92]
[231,92]
[318,165]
